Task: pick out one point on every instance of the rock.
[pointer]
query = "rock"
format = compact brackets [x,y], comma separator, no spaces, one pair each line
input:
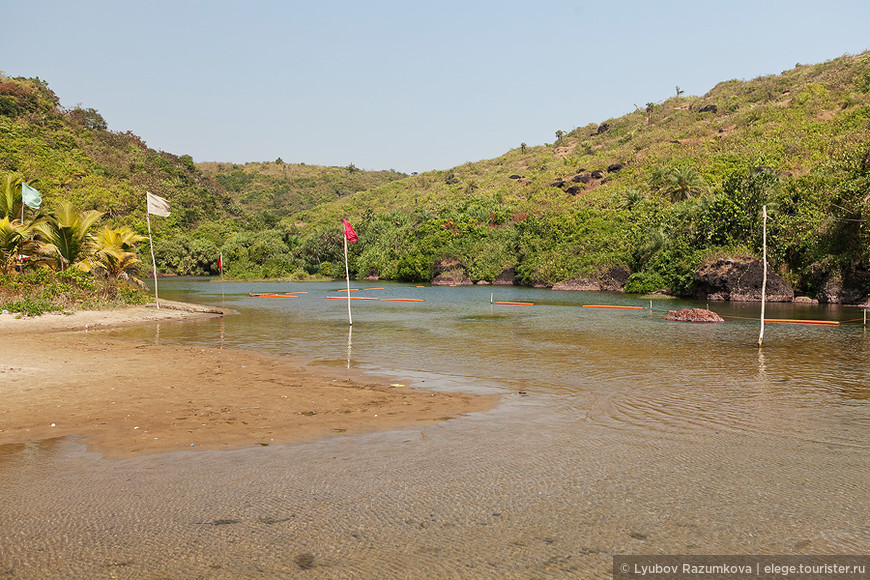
[506,278]
[557,183]
[708,109]
[693,315]
[611,280]
[573,190]
[450,272]
[373,275]
[602,128]
[739,280]
[483,283]
[839,291]
[805,300]
[614,167]
[515,176]
[585,178]
[597,174]
[578,285]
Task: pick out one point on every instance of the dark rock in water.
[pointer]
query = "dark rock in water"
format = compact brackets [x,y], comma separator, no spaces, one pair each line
[611,280]
[693,315]
[506,278]
[845,289]
[450,272]
[739,280]
[578,285]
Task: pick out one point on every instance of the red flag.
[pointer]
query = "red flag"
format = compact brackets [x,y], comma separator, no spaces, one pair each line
[220,263]
[348,232]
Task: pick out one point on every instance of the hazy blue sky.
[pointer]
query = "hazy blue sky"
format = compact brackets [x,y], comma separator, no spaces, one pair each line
[399,84]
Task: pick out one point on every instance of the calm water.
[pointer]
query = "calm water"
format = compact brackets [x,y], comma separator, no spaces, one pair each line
[619,433]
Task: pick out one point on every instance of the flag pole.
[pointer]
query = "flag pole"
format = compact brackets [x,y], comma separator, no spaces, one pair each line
[221,258]
[153,262]
[347,275]
[764,276]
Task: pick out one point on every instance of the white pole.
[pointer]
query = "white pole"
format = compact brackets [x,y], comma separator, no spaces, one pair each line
[222,279]
[764,276]
[153,262]
[347,274]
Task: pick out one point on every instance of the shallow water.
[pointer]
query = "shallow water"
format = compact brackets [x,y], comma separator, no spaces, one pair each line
[619,433]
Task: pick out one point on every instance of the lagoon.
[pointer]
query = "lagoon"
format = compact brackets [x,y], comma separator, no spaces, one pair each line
[619,433]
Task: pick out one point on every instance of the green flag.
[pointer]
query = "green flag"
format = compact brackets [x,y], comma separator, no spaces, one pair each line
[30,196]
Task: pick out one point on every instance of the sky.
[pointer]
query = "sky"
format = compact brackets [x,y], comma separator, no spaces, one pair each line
[405,85]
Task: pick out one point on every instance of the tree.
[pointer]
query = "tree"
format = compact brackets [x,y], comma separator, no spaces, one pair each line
[66,234]
[16,241]
[10,196]
[112,253]
[679,183]
[523,148]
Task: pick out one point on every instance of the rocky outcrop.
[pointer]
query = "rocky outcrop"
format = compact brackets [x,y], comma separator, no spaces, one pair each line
[693,315]
[739,280]
[450,272]
[611,280]
[506,278]
[840,290]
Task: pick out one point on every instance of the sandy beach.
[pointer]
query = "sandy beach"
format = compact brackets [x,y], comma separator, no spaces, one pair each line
[60,376]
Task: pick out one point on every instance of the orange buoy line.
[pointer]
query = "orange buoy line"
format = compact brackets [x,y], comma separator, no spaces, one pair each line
[401,300]
[518,303]
[790,321]
[346,290]
[273,296]
[288,293]
[613,307]
[351,298]
[371,288]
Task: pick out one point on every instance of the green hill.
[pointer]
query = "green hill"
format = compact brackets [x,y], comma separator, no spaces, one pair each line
[273,189]
[653,194]
[656,192]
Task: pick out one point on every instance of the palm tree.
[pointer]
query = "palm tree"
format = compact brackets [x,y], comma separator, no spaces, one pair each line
[67,234]
[112,252]
[10,196]
[17,244]
[679,183]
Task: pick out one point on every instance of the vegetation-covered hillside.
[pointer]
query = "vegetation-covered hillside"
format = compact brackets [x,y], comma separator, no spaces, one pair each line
[655,193]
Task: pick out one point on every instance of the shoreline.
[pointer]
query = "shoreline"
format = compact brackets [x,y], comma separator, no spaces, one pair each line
[122,399]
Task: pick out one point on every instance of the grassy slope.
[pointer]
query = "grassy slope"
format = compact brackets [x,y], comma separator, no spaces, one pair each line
[798,123]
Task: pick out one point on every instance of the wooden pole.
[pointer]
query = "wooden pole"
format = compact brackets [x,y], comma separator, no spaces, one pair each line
[764,276]
[347,275]
[153,262]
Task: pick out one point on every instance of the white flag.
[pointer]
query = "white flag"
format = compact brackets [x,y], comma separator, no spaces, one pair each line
[157,205]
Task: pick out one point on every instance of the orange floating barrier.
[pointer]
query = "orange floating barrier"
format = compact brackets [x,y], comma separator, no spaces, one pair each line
[345,290]
[518,303]
[351,298]
[402,300]
[790,321]
[273,296]
[288,293]
[372,288]
[613,307]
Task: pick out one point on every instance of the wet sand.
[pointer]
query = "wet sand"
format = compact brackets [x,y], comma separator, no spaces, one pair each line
[59,378]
